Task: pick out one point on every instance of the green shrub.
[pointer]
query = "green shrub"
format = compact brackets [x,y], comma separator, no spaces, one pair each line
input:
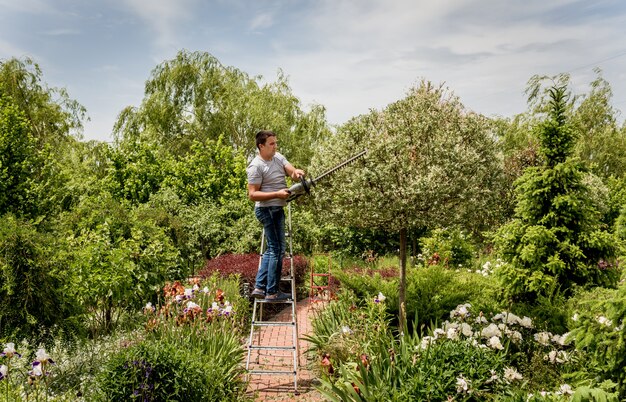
[154,371]
[191,349]
[431,291]
[598,318]
[469,358]
[116,260]
[32,300]
[448,247]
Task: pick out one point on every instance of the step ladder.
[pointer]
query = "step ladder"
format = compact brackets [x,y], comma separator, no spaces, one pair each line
[278,345]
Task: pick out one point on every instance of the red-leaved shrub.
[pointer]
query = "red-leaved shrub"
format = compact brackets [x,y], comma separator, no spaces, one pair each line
[246,266]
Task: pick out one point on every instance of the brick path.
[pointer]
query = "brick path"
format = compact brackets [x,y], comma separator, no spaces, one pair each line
[281,387]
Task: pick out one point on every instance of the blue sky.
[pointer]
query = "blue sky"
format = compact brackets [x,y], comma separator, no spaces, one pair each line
[350,56]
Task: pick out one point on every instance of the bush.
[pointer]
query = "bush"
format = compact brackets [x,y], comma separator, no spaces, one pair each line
[468,358]
[191,350]
[246,266]
[598,318]
[448,247]
[431,291]
[161,371]
[32,300]
[557,240]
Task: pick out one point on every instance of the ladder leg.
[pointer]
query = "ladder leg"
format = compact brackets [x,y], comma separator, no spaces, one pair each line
[254,340]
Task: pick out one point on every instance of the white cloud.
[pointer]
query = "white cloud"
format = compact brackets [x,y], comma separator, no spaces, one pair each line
[262,21]
[62,32]
[366,54]
[163,16]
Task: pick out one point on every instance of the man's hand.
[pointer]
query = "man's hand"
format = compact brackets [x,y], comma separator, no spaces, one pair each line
[284,194]
[297,174]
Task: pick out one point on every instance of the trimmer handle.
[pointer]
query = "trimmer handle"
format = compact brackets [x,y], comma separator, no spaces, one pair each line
[298,189]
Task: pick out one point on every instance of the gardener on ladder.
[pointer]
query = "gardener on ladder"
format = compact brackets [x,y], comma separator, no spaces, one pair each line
[267,186]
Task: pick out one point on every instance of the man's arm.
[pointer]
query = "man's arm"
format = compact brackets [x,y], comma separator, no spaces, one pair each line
[292,172]
[255,193]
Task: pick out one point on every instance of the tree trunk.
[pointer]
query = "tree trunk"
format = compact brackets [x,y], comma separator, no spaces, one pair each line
[402,290]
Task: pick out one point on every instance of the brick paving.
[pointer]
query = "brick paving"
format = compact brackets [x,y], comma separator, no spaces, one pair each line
[281,387]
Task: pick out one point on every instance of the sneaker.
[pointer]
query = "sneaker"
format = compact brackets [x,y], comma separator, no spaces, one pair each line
[280,296]
[258,294]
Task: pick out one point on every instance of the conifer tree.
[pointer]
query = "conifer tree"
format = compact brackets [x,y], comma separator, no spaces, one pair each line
[556,239]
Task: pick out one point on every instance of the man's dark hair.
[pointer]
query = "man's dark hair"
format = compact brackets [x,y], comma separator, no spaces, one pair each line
[262,136]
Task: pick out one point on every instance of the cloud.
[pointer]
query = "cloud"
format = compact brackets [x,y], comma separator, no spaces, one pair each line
[353,55]
[163,17]
[262,21]
[62,32]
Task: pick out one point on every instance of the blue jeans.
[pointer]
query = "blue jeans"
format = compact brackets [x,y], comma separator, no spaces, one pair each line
[273,220]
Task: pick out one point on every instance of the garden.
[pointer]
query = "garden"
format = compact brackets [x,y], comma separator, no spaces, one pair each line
[472,258]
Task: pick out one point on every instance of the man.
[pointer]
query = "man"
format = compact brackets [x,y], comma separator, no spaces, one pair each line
[267,187]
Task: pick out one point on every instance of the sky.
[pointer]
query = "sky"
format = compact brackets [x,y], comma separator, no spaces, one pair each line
[348,55]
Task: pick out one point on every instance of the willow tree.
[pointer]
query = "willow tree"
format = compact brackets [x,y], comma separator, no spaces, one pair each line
[194,98]
[429,163]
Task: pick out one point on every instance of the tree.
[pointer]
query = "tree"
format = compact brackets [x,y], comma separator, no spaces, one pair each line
[429,163]
[29,185]
[556,239]
[195,98]
[601,144]
[53,117]
[36,135]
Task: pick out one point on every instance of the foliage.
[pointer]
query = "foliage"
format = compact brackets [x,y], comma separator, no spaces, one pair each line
[137,171]
[210,170]
[616,205]
[428,162]
[555,240]
[431,291]
[52,116]
[193,97]
[246,265]
[32,299]
[351,241]
[449,247]
[116,257]
[598,329]
[601,144]
[192,349]
[468,358]
[29,179]
[37,128]
[189,347]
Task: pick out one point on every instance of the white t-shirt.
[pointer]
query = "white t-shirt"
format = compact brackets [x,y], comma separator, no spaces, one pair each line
[270,175]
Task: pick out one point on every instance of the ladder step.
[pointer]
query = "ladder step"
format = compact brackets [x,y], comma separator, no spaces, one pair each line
[277,372]
[287,278]
[289,301]
[273,323]
[259,347]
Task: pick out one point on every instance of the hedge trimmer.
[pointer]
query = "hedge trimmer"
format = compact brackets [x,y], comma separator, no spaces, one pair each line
[304,187]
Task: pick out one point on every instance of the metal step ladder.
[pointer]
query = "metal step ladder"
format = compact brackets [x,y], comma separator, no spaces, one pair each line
[254,341]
